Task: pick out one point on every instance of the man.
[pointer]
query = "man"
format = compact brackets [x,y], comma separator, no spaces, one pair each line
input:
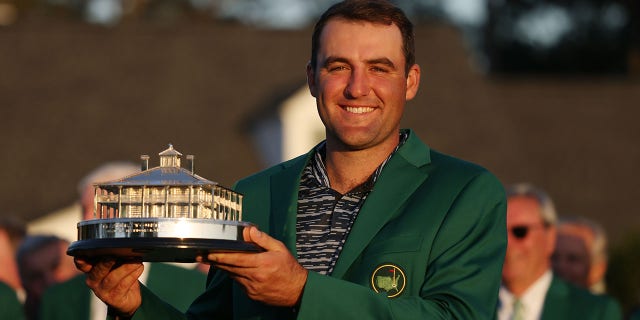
[179,286]
[530,290]
[12,232]
[42,262]
[580,255]
[369,224]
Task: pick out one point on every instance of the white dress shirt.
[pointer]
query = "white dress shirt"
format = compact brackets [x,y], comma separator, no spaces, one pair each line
[532,299]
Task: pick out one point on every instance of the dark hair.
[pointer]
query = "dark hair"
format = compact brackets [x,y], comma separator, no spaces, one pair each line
[32,244]
[373,11]
[15,229]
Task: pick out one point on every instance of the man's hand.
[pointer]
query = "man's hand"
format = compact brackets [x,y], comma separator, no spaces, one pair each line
[273,277]
[116,286]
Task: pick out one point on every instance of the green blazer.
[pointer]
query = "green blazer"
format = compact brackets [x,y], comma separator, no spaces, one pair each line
[10,306]
[430,239]
[565,301]
[70,300]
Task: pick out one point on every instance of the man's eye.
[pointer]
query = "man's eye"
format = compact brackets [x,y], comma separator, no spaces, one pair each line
[337,68]
[378,69]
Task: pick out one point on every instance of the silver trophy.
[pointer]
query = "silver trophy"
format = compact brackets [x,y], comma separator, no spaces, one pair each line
[162,214]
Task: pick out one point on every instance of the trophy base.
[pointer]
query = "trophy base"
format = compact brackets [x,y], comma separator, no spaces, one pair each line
[158,239]
[156,249]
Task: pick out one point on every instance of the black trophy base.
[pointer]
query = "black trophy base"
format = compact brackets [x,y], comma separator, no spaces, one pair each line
[156,249]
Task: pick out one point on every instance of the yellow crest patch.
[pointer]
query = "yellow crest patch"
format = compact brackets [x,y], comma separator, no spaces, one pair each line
[390,279]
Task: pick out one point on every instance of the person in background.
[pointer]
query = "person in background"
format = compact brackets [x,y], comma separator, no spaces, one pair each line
[580,254]
[530,290]
[42,262]
[369,224]
[12,232]
[178,285]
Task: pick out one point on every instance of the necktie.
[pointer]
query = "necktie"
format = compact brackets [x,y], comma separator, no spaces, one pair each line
[518,310]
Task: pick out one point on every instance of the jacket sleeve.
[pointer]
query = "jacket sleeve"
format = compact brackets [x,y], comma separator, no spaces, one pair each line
[214,303]
[462,275]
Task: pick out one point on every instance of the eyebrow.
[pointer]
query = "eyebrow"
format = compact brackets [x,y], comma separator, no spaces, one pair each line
[383,61]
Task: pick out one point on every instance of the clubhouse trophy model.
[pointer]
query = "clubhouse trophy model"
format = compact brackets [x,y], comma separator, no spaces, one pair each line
[166,213]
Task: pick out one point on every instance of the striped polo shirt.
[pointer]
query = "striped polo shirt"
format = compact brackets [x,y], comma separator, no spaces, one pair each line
[325,216]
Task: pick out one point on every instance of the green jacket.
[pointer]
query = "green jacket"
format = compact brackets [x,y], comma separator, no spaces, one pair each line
[10,306]
[436,222]
[70,300]
[565,301]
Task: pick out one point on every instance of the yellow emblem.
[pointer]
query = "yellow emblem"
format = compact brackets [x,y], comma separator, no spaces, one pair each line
[390,279]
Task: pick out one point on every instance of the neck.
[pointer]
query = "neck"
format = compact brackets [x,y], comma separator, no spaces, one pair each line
[9,272]
[349,168]
[518,287]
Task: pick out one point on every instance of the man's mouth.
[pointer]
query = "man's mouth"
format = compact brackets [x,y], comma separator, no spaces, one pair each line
[358,109]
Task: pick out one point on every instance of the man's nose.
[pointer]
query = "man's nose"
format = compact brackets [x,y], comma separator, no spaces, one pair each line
[358,84]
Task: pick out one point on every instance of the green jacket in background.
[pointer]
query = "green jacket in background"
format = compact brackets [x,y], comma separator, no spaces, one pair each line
[10,306]
[70,300]
[566,301]
[431,234]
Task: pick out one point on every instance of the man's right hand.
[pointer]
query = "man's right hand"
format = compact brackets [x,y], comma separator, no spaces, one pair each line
[115,285]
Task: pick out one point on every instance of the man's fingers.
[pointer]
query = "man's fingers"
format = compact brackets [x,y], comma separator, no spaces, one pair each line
[100,270]
[128,280]
[82,264]
[107,275]
[262,239]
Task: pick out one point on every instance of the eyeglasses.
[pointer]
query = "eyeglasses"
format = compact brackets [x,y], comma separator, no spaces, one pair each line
[521,232]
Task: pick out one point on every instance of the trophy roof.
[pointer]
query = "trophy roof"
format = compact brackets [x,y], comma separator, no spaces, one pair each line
[160,176]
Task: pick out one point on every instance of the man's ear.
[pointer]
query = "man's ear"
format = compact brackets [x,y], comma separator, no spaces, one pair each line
[597,272]
[413,82]
[311,80]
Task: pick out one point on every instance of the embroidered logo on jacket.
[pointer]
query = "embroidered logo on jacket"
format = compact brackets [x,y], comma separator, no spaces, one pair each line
[390,279]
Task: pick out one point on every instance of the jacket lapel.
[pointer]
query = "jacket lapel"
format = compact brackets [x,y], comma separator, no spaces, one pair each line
[399,179]
[284,201]
[555,302]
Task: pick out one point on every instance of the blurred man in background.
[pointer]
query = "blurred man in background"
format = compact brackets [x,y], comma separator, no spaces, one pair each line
[529,288]
[12,232]
[580,255]
[43,262]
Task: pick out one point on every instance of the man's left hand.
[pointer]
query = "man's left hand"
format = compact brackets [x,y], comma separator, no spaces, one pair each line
[273,276]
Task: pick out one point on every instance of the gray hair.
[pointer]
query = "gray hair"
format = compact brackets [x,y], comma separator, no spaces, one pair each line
[547,208]
[599,247]
[108,172]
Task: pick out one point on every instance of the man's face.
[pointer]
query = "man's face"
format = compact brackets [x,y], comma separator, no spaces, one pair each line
[530,243]
[46,266]
[571,259]
[39,269]
[360,83]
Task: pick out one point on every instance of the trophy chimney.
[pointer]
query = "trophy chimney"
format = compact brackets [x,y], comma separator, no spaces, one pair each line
[144,166]
[190,163]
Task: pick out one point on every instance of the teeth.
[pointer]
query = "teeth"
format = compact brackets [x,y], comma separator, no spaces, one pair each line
[359,109]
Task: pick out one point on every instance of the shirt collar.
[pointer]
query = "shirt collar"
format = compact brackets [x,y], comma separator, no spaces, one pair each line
[532,298]
[320,170]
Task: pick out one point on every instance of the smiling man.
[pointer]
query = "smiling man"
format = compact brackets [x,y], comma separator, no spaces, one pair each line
[369,224]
